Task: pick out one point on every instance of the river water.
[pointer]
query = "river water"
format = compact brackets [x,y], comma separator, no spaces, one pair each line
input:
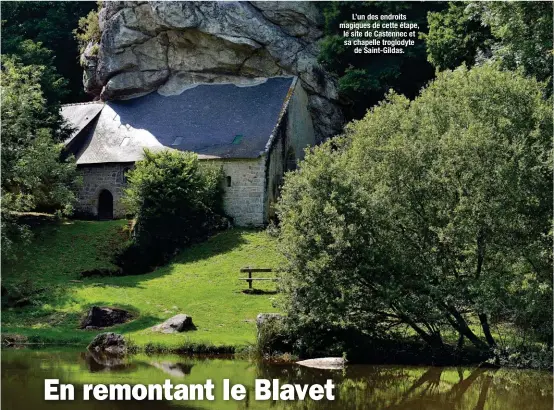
[357,386]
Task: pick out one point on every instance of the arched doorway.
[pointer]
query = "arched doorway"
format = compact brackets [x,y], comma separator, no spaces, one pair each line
[105,205]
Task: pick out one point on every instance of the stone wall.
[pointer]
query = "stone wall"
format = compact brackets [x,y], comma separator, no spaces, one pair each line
[251,186]
[243,199]
[96,178]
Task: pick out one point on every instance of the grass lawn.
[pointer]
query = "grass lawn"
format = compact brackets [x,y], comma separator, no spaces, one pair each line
[201,281]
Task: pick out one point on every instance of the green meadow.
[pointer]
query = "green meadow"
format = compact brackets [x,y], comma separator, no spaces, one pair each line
[201,281]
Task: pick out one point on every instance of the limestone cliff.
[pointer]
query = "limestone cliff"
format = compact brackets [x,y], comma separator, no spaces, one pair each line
[169,46]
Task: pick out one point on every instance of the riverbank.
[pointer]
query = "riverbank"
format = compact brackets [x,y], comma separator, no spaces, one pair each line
[201,281]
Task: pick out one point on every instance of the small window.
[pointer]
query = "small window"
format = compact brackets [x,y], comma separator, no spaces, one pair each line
[228,181]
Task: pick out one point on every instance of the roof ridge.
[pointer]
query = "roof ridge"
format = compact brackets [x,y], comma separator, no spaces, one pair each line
[83,103]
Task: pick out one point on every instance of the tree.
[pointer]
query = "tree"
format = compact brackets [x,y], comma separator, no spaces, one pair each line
[175,201]
[455,37]
[35,173]
[516,34]
[434,214]
[53,87]
[365,78]
[51,24]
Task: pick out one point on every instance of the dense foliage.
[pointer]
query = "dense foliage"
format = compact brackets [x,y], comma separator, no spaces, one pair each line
[455,37]
[366,78]
[88,30]
[516,34]
[433,214]
[35,174]
[50,24]
[175,201]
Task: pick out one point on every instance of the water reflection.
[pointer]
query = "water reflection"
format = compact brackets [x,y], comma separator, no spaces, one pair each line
[99,362]
[358,386]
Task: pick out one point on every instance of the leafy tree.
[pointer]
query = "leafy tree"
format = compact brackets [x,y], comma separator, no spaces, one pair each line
[50,24]
[434,214]
[365,78]
[175,201]
[35,174]
[455,37]
[516,34]
[53,87]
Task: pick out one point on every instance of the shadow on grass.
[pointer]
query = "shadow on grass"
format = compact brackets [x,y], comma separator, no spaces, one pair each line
[259,292]
[218,244]
[59,289]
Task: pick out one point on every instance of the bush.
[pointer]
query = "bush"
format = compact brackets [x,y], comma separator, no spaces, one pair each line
[175,202]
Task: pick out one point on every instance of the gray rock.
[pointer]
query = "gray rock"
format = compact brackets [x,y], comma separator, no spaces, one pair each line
[110,343]
[177,323]
[329,363]
[100,317]
[172,45]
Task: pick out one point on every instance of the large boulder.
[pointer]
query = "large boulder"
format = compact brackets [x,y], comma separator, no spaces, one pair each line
[110,343]
[175,324]
[172,45]
[100,317]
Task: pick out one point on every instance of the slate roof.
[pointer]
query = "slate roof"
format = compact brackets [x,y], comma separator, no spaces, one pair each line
[215,121]
[80,115]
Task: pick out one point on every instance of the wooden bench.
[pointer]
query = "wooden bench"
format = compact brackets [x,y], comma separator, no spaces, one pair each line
[249,279]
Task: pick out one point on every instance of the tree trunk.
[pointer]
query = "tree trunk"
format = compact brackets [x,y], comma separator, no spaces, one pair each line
[460,341]
[432,339]
[461,326]
[486,329]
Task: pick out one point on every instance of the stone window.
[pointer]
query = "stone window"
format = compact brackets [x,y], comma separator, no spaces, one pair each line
[228,181]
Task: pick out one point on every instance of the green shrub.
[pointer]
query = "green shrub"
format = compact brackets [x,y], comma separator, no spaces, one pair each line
[175,202]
